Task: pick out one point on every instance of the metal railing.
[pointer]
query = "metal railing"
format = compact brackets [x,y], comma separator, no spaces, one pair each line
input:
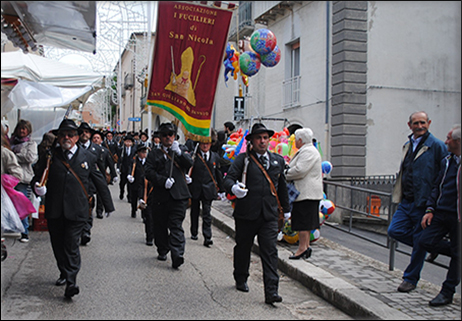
[378,207]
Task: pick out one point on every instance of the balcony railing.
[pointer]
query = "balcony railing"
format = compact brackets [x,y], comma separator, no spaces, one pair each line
[246,23]
[291,92]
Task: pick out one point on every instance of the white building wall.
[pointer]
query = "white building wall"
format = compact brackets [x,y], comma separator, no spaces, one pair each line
[413,64]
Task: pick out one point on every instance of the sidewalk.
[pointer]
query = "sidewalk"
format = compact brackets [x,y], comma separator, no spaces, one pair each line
[358,285]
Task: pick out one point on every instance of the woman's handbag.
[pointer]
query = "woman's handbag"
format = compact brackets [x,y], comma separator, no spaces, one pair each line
[292,191]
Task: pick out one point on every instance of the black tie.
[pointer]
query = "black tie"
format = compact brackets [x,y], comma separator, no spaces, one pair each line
[264,161]
[205,157]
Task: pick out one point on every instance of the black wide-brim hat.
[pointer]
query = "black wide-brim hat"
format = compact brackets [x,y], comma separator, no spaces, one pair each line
[167,127]
[129,137]
[142,148]
[84,126]
[258,129]
[66,124]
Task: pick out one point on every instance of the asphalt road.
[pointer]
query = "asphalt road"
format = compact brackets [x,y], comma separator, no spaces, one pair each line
[121,279]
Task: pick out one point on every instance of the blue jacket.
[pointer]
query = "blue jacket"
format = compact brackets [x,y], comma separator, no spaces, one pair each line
[425,166]
[445,192]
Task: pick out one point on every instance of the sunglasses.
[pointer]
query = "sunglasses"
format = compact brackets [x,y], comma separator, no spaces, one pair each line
[168,134]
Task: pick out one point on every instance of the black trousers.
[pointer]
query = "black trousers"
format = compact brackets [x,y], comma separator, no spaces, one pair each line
[99,205]
[89,224]
[432,240]
[168,220]
[134,192]
[206,217]
[146,215]
[123,182]
[65,241]
[267,232]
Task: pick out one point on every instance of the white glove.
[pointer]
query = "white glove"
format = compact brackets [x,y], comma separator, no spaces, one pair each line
[176,148]
[118,171]
[115,179]
[222,196]
[239,190]
[287,216]
[130,178]
[280,236]
[142,202]
[188,179]
[40,190]
[169,183]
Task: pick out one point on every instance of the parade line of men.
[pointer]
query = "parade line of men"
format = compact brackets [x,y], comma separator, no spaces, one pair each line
[163,178]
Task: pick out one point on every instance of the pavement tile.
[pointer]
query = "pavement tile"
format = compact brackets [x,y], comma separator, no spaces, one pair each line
[364,288]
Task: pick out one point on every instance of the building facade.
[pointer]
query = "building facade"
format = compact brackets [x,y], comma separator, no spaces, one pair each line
[353,72]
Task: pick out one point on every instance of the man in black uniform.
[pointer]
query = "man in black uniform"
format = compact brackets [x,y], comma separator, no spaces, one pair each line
[140,190]
[256,211]
[85,133]
[123,166]
[108,162]
[207,182]
[66,202]
[136,177]
[166,168]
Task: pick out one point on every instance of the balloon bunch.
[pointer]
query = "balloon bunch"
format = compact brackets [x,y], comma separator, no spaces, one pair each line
[264,50]
[326,208]
[283,143]
[235,145]
[232,65]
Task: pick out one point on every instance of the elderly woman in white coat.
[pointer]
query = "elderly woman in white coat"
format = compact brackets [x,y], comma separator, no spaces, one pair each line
[305,170]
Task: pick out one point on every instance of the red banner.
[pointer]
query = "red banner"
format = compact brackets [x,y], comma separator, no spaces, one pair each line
[188,54]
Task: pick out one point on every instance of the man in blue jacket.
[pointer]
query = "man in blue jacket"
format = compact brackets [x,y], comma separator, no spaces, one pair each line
[420,166]
[443,216]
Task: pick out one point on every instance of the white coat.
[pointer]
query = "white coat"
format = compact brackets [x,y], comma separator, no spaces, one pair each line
[306,172]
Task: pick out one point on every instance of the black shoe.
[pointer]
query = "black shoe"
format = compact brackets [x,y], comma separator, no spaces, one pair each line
[406,287]
[85,239]
[121,196]
[207,243]
[100,216]
[162,257]
[243,287]
[133,214]
[71,290]
[308,253]
[273,299]
[431,257]
[440,300]
[194,237]
[60,282]
[149,243]
[304,255]
[177,262]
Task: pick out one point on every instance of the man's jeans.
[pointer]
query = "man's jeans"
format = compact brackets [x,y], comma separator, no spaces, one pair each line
[405,227]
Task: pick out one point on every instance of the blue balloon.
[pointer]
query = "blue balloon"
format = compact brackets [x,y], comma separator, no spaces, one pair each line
[326,167]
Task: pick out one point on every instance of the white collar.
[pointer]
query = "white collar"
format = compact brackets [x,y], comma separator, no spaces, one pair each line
[265,154]
[73,150]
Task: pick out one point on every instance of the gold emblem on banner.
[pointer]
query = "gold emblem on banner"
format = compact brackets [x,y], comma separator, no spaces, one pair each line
[182,84]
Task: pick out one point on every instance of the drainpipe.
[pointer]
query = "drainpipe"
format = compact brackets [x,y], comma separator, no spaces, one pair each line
[327,138]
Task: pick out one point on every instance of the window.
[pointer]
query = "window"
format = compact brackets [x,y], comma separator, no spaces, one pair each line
[291,86]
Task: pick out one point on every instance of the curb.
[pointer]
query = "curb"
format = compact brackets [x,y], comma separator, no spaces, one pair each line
[343,295]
